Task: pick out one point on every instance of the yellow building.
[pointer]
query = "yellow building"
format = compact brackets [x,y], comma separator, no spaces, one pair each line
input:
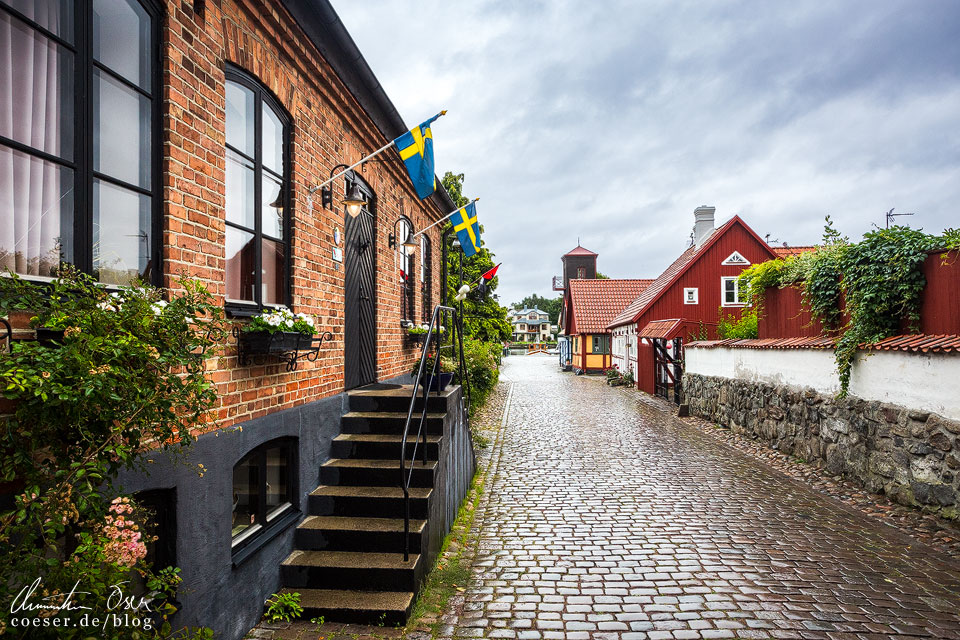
[588,306]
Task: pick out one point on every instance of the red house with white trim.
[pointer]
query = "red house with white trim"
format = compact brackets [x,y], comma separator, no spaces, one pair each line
[684,302]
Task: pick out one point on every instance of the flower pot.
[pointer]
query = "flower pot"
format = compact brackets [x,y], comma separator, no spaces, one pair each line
[50,337]
[437,383]
[279,342]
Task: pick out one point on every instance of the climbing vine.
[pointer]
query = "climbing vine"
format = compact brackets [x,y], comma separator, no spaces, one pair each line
[879,281]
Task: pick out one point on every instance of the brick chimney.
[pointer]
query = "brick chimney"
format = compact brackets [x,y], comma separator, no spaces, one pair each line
[702,223]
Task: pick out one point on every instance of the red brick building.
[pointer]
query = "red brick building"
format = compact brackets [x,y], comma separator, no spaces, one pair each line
[152,138]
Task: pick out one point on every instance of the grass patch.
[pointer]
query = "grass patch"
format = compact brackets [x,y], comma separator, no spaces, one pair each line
[451,573]
[480,441]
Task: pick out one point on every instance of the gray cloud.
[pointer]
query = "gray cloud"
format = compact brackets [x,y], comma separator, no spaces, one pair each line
[611,121]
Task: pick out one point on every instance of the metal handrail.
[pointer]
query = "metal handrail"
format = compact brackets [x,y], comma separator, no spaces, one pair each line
[406,475]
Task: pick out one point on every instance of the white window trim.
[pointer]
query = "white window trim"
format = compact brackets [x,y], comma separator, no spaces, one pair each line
[723,292]
[696,295]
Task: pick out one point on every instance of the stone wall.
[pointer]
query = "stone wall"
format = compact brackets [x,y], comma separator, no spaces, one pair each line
[912,456]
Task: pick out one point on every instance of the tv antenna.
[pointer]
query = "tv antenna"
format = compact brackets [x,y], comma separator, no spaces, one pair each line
[891,215]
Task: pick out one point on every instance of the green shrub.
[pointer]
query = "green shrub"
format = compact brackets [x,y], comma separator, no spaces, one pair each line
[128,376]
[729,327]
[482,362]
[283,606]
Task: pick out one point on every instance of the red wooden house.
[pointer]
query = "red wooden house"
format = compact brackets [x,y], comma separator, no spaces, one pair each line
[684,302]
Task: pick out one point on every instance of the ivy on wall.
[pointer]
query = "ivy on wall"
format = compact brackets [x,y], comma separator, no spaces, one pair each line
[879,281]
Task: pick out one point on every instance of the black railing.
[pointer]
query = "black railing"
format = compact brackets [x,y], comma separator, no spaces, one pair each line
[455,345]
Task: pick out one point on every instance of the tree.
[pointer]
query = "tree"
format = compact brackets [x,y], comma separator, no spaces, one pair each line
[600,276]
[483,318]
[551,306]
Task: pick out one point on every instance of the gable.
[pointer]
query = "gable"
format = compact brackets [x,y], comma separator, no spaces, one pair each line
[736,259]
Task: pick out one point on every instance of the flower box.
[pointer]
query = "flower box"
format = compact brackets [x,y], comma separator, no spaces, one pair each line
[260,342]
[417,338]
[50,337]
[437,383]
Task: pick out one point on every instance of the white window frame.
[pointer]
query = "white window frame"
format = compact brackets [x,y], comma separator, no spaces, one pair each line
[696,295]
[723,292]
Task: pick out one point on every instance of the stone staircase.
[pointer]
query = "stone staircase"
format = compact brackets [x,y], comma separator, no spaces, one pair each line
[347,563]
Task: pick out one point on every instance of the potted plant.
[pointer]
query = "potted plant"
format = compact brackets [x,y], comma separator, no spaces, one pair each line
[445,371]
[278,331]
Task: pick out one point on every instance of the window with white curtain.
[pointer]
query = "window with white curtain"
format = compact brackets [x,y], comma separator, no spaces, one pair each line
[257,195]
[78,111]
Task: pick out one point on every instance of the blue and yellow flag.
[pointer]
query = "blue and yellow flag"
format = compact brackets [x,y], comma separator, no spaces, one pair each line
[467,228]
[416,150]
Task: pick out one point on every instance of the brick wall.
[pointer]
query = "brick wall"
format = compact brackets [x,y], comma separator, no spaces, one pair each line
[328,128]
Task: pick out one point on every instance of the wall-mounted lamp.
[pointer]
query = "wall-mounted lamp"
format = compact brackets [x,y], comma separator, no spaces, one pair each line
[409,243]
[353,198]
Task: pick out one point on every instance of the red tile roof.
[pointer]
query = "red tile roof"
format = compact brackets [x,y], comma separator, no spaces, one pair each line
[595,302]
[768,343]
[919,342]
[916,343]
[580,251]
[786,252]
[670,329]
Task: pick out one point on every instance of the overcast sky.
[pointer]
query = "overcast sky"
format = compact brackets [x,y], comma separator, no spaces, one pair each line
[613,121]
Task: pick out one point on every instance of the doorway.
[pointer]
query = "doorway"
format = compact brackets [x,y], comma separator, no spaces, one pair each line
[359,304]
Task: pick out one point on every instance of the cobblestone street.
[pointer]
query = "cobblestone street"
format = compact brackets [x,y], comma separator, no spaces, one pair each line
[607,518]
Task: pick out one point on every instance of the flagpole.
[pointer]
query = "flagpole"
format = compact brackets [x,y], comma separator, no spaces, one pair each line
[317,187]
[444,218]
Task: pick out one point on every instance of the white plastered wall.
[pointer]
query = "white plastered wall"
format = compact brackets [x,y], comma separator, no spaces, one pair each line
[921,381]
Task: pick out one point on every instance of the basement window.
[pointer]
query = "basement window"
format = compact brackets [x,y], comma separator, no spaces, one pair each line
[264,496]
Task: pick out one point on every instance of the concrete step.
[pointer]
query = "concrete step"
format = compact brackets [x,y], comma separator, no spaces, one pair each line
[389,423]
[351,570]
[370,607]
[374,502]
[339,533]
[376,473]
[396,400]
[380,445]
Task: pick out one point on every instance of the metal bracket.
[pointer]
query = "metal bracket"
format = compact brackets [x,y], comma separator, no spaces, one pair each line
[304,347]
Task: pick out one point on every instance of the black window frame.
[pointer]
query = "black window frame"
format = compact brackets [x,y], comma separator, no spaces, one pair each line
[408,264]
[262,94]
[82,164]
[247,543]
[426,266]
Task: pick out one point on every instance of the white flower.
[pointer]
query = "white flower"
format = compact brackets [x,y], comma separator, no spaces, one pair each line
[158,307]
[424,326]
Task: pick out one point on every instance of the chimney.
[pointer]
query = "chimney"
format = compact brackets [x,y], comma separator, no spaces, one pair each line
[702,223]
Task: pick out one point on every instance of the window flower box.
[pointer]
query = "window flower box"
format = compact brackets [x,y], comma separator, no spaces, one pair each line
[280,333]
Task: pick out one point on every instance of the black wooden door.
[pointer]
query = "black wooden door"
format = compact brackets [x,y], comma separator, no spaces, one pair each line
[359,309]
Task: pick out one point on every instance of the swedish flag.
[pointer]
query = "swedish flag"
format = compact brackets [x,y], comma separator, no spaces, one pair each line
[416,150]
[467,228]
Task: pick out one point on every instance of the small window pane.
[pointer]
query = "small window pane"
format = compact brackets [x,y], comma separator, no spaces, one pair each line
[278,492]
[272,140]
[271,212]
[246,494]
[240,265]
[56,16]
[240,193]
[121,39]
[274,272]
[121,131]
[36,89]
[240,132]
[36,214]
[121,234]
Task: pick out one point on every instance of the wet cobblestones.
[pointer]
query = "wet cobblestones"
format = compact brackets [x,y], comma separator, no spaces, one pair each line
[608,519]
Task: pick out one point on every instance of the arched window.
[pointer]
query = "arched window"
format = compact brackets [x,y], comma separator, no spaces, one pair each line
[264,496]
[405,269]
[79,114]
[426,277]
[257,196]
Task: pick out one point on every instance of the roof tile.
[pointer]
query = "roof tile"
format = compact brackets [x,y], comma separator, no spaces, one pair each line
[595,302]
